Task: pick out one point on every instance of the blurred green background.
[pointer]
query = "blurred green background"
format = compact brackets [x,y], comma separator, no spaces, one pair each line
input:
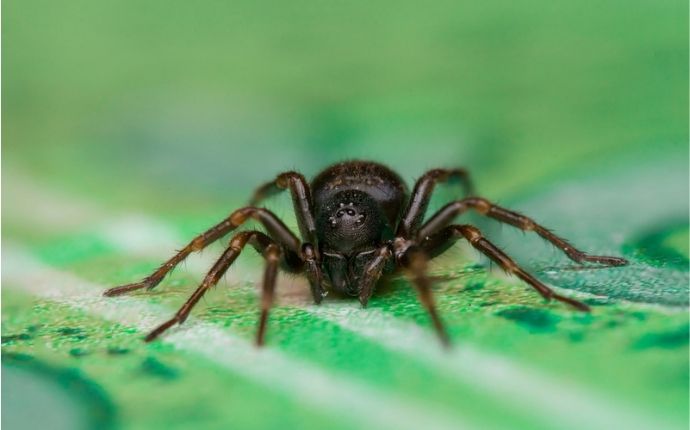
[176,110]
[225,94]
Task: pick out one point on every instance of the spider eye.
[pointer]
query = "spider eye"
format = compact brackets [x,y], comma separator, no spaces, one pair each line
[346,216]
[349,212]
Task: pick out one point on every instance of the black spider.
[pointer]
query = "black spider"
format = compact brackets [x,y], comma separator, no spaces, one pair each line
[358,221]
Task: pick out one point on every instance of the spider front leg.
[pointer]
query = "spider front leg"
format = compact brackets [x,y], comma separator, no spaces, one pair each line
[449,212]
[273,225]
[272,254]
[265,246]
[304,211]
[421,195]
[314,273]
[301,199]
[372,273]
[439,242]
[414,262]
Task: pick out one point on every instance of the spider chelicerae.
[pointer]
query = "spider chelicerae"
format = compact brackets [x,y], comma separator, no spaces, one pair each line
[357,221]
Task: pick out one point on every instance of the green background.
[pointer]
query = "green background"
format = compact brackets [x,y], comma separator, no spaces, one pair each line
[120,113]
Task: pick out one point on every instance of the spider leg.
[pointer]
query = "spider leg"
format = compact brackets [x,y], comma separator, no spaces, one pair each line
[304,211]
[272,255]
[441,240]
[421,195]
[414,262]
[259,240]
[448,213]
[301,198]
[314,273]
[372,273]
[273,225]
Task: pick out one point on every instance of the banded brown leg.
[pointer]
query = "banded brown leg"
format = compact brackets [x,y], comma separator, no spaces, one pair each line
[421,195]
[448,213]
[259,240]
[276,228]
[450,234]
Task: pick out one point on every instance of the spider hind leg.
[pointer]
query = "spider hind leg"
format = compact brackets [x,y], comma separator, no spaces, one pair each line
[444,238]
[265,246]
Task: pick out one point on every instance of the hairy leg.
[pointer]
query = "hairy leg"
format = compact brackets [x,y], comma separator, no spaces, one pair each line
[414,263]
[301,198]
[273,225]
[448,213]
[421,195]
[272,255]
[443,239]
[372,273]
[259,240]
[304,211]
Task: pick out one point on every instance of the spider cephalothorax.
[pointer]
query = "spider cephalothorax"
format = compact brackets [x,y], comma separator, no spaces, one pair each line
[357,221]
[349,222]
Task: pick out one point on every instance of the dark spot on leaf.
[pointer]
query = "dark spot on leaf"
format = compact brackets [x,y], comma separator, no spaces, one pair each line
[536,320]
[116,350]
[576,336]
[69,331]
[78,352]
[474,286]
[11,338]
[154,367]
[17,356]
[583,318]
[612,323]
[73,332]
[640,316]
[667,340]
[597,301]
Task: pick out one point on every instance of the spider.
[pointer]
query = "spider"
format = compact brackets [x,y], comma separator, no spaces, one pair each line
[357,221]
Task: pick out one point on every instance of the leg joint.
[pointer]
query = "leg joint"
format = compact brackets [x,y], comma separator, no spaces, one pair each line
[471,233]
[481,205]
[528,224]
[283,180]
[241,215]
[239,240]
[272,253]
